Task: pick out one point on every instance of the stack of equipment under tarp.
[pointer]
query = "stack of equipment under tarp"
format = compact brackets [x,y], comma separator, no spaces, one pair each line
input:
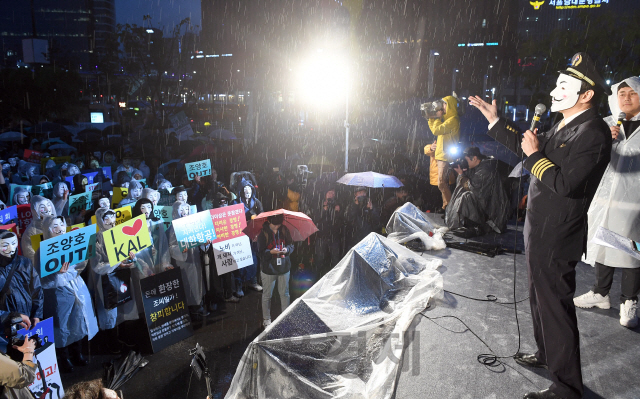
[409,223]
[344,337]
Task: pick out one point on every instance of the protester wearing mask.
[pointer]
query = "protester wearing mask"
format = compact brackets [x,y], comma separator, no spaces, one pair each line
[274,246]
[134,193]
[108,319]
[252,208]
[188,261]
[15,377]
[616,206]
[60,197]
[40,207]
[21,196]
[67,300]
[152,195]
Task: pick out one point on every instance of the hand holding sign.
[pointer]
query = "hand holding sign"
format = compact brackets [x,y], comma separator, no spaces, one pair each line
[127,238]
[200,168]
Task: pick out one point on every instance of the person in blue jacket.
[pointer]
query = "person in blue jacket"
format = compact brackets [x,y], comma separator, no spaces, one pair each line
[68,301]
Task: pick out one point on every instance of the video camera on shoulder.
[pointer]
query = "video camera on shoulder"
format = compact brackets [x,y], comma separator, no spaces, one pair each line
[13,338]
[460,163]
[430,110]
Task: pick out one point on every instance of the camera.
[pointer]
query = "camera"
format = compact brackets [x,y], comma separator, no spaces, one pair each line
[12,337]
[461,163]
[430,110]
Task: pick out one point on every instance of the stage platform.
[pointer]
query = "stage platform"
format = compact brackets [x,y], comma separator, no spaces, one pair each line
[441,359]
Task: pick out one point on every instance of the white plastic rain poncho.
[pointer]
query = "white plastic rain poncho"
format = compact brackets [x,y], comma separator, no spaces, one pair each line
[107,318]
[134,193]
[151,194]
[66,298]
[35,227]
[188,262]
[616,205]
[59,201]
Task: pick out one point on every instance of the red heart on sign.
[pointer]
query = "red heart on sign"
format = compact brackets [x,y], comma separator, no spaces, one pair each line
[133,230]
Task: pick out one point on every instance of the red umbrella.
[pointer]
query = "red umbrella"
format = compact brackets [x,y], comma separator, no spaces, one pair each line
[300,225]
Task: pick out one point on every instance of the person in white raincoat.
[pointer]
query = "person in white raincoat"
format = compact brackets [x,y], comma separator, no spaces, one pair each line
[135,191]
[616,206]
[67,300]
[60,197]
[40,207]
[108,319]
[189,262]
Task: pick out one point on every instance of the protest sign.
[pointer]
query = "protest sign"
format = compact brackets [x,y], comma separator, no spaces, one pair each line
[119,193]
[194,230]
[23,198]
[132,235]
[91,187]
[11,227]
[106,171]
[122,215]
[229,221]
[32,156]
[7,214]
[165,213]
[79,202]
[73,247]
[91,176]
[200,168]
[47,374]
[24,217]
[57,160]
[165,309]
[167,198]
[232,254]
[45,190]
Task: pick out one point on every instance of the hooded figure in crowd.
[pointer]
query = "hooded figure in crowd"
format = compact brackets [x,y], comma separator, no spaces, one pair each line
[134,193]
[247,197]
[164,184]
[188,261]
[108,319]
[21,196]
[126,166]
[67,300]
[40,207]
[60,197]
[108,159]
[157,256]
[39,179]
[151,195]
[73,169]
[122,179]
[80,183]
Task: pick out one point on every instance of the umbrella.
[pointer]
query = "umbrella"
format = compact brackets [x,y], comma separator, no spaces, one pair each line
[12,136]
[62,146]
[121,370]
[50,142]
[370,179]
[300,225]
[222,134]
[89,135]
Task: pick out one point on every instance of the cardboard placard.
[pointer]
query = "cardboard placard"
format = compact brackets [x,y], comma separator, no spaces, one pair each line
[89,175]
[194,230]
[165,309]
[79,202]
[8,214]
[232,254]
[91,187]
[24,217]
[229,222]
[119,193]
[132,235]
[47,373]
[32,156]
[73,247]
[200,168]
[36,239]
[122,215]
[165,213]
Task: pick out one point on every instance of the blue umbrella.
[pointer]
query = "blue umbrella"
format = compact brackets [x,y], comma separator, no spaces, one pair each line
[221,134]
[370,179]
[12,136]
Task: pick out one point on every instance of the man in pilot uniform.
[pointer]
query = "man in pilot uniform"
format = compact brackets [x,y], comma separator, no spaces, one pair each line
[566,164]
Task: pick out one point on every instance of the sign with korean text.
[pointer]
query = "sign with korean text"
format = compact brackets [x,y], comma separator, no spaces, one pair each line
[165,309]
[119,193]
[122,215]
[132,235]
[194,230]
[91,176]
[200,168]
[7,214]
[45,190]
[47,372]
[229,221]
[232,254]
[165,213]
[24,217]
[79,202]
[571,4]
[32,156]
[91,187]
[74,247]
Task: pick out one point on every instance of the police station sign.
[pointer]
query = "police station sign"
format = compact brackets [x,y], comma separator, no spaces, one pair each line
[568,4]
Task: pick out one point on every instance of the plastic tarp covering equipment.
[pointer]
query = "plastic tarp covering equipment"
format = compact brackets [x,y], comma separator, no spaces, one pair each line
[409,223]
[344,337]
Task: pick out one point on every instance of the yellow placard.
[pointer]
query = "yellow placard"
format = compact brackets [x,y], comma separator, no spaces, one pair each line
[132,235]
[122,215]
[36,239]
[119,193]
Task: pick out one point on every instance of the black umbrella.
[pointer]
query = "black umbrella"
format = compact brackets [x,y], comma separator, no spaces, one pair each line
[89,135]
[121,370]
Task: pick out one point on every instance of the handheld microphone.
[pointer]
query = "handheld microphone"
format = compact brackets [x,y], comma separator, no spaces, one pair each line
[540,109]
[621,118]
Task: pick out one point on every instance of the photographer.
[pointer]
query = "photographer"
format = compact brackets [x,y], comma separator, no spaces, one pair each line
[361,218]
[479,203]
[15,377]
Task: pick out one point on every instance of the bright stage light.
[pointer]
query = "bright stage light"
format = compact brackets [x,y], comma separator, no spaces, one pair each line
[323,79]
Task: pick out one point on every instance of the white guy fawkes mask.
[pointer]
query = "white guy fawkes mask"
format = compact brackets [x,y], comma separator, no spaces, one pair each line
[104,203]
[566,93]
[109,221]
[184,210]
[44,208]
[136,192]
[31,171]
[146,209]
[247,192]
[8,246]
[58,227]
[23,198]
[13,161]
[62,188]
[182,196]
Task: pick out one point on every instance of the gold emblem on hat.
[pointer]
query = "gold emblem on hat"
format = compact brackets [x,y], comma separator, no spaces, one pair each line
[536,4]
[577,59]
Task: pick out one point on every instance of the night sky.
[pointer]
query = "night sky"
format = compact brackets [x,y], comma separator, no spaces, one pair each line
[165,13]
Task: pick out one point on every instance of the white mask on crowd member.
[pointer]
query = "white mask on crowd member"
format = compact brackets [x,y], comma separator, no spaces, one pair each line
[58,227]
[104,203]
[156,198]
[146,209]
[184,210]
[8,246]
[13,161]
[247,192]
[182,196]
[23,198]
[45,208]
[566,93]
[109,221]
[136,192]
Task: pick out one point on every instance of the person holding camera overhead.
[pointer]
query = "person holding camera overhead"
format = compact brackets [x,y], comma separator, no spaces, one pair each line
[361,218]
[445,125]
[15,377]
